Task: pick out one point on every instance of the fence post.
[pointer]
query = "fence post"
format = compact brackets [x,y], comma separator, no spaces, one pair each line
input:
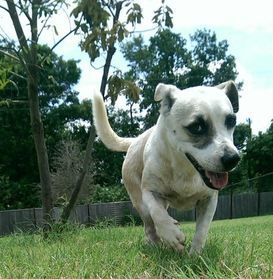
[89,215]
[231,204]
[258,204]
[34,218]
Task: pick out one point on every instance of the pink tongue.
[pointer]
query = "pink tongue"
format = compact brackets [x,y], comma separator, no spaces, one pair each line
[218,180]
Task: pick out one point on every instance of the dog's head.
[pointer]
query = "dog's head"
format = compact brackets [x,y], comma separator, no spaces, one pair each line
[200,122]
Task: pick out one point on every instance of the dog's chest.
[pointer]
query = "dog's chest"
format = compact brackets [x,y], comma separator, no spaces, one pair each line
[184,193]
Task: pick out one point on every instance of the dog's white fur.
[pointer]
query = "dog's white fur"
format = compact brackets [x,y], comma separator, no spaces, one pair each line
[156,171]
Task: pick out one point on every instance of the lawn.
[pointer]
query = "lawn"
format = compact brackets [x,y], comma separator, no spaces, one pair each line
[240,248]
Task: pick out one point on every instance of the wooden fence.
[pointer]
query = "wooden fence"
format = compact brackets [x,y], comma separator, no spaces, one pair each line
[229,207]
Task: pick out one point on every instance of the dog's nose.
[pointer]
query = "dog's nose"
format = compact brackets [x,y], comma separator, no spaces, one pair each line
[230,160]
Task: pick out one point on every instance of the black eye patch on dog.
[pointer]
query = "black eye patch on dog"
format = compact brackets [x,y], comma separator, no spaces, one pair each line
[200,132]
[199,127]
[230,121]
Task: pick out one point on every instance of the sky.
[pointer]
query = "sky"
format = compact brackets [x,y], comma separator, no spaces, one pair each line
[246,25]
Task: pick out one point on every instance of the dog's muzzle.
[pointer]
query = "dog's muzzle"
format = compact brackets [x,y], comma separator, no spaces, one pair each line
[214,180]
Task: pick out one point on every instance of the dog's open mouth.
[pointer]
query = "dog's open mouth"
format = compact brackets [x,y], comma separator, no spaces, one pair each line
[214,180]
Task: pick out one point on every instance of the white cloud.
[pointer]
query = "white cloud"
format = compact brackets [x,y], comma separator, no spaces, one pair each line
[255,102]
[241,15]
[249,16]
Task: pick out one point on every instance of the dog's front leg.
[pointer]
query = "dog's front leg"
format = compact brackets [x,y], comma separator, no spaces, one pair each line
[166,227]
[205,210]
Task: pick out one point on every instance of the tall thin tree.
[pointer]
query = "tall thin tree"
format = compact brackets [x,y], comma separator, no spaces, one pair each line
[27,54]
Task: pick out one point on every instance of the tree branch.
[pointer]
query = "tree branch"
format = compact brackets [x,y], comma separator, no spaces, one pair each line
[18,28]
[17,75]
[17,58]
[110,52]
[63,38]
[9,55]
[44,25]
[34,22]
[21,7]
[4,8]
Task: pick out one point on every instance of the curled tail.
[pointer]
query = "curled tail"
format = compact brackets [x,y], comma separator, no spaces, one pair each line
[103,128]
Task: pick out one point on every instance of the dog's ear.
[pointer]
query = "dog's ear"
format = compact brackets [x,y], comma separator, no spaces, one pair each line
[165,93]
[231,91]
[162,90]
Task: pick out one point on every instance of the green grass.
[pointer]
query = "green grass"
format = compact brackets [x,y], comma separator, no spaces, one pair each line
[240,248]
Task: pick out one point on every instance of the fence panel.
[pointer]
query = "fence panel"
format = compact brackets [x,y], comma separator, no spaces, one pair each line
[38,214]
[115,211]
[24,220]
[244,205]
[118,212]
[266,203]
[182,216]
[14,220]
[80,214]
[223,210]
[6,222]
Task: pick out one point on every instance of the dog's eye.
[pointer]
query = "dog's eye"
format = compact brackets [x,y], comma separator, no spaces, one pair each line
[230,121]
[198,128]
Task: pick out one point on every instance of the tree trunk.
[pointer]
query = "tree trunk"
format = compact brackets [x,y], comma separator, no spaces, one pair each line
[29,61]
[41,150]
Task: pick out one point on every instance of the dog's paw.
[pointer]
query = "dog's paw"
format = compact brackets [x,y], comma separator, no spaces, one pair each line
[197,245]
[171,235]
[195,250]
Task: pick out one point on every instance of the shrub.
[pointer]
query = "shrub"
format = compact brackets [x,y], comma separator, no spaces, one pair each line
[67,164]
[18,195]
[110,194]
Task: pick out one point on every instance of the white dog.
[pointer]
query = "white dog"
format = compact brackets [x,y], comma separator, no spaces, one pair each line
[182,161]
